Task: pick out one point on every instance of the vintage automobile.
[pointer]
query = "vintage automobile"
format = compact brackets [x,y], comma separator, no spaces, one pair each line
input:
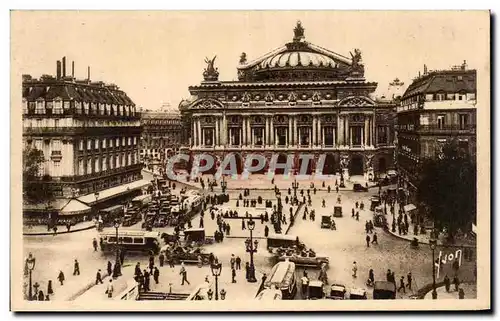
[383,290]
[379,220]
[326,221]
[359,188]
[374,202]
[130,241]
[337,211]
[197,235]
[316,290]
[357,294]
[168,238]
[306,258]
[280,241]
[282,277]
[189,255]
[337,292]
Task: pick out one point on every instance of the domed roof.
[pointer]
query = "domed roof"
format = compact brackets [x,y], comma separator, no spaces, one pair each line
[298,58]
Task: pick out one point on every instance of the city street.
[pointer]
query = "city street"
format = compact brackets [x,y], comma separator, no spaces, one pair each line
[343,246]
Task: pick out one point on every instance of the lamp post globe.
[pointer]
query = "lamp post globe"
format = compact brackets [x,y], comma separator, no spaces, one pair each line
[216,269]
[30,264]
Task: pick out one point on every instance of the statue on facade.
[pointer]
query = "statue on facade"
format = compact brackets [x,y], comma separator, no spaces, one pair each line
[356,65]
[344,161]
[243,58]
[298,32]
[211,73]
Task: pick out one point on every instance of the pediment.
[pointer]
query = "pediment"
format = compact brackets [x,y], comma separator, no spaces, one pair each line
[207,104]
[357,101]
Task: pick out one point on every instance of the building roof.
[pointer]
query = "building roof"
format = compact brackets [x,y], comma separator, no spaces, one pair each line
[443,81]
[305,60]
[49,88]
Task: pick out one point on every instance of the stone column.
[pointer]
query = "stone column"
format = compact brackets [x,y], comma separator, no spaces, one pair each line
[249,132]
[366,130]
[289,140]
[374,126]
[340,130]
[216,140]
[347,131]
[200,134]
[266,133]
[314,131]
[195,132]
[321,139]
[271,132]
[295,131]
[243,131]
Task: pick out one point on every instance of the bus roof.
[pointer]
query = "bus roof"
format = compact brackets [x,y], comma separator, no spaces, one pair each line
[141,197]
[282,273]
[112,232]
[282,237]
[190,230]
[112,208]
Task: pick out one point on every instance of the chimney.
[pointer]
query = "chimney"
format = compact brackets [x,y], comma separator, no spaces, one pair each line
[425,69]
[64,67]
[72,69]
[58,74]
[464,65]
[88,73]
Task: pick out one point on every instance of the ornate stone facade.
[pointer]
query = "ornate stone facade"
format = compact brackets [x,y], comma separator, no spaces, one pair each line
[300,98]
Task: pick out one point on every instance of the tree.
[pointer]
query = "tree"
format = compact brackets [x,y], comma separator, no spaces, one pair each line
[35,186]
[447,188]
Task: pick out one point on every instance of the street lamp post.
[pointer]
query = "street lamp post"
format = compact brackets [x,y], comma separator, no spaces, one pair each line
[216,268]
[295,186]
[251,247]
[30,263]
[117,272]
[433,243]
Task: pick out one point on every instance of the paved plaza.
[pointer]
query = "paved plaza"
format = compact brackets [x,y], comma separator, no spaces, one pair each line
[343,246]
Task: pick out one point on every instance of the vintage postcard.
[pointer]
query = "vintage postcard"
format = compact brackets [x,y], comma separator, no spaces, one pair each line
[244,160]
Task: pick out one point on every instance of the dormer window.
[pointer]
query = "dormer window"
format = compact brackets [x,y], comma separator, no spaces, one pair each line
[101,109]
[86,108]
[108,109]
[57,106]
[40,107]
[25,106]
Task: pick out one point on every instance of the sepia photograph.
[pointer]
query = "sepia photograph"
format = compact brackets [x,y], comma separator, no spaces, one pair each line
[244,160]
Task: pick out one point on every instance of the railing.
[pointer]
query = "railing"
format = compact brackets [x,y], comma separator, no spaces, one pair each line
[447,129]
[83,114]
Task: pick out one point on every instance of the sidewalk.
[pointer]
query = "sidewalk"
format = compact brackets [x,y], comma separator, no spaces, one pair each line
[170,281]
[422,238]
[470,291]
[61,229]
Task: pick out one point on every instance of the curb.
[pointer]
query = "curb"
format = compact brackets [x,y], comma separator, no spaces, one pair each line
[65,232]
[294,217]
[427,243]
[85,289]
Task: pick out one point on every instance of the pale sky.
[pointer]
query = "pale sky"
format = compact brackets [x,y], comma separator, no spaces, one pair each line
[154,56]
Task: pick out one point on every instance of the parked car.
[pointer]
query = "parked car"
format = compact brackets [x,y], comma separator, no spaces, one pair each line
[337,292]
[326,221]
[359,188]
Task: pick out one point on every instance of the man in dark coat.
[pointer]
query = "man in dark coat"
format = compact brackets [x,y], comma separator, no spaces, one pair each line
[98,277]
[367,240]
[266,231]
[137,268]
[156,275]
[60,277]
[76,269]
[94,244]
[161,257]
[402,284]
[238,263]
[110,268]
[233,275]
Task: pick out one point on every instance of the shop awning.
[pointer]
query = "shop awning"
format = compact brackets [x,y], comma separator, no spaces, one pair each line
[106,194]
[55,205]
[409,207]
[74,207]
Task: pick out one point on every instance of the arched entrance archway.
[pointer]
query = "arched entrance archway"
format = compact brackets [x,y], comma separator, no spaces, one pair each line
[329,165]
[309,168]
[382,165]
[281,161]
[212,170]
[356,165]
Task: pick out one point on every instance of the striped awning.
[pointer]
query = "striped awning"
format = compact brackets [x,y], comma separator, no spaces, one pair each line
[74,207]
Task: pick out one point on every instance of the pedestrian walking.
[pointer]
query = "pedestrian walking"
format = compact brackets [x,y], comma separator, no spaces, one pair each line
[305,286]
[353,213]
[161,257]
[409,279]
[402,284]
[183,274]
[324,203]
[354,270]
[388,275]
[367,240]
[238,263]
[266,231]
[247,270]
[110,289]
[393,277]
[243,225]
[232,261]
[60,277]
[109,268]
[76,268]
[375,238]
[447,283]
[357,205]
[41,296]
[156,275]
[98,277]
[357,216]
[146,281]
[50,291]
[233,275]
[94,244]
[136,272]
[201,222]
[456,282]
